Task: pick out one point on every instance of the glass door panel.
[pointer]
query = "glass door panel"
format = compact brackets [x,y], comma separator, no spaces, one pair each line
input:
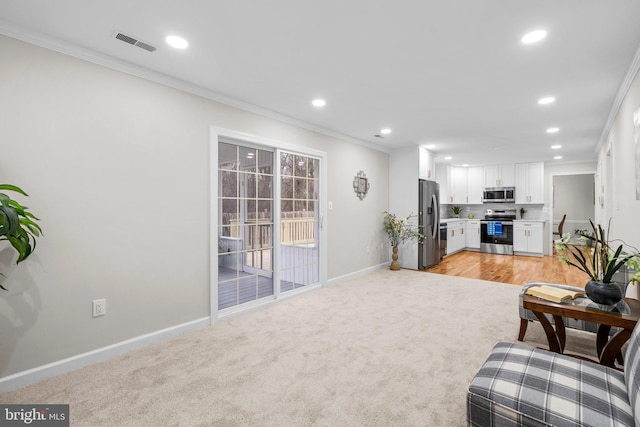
[299,221]
[245,228]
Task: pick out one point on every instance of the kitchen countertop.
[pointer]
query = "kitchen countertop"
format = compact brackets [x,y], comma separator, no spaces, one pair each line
[445,220]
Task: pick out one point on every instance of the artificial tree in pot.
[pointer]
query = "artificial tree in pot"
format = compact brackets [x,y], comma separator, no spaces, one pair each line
[399,230]
[600,263]
[17,225]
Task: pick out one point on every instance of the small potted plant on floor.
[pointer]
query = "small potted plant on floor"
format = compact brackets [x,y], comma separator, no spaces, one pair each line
[600,261]
[17,225]
[399,230]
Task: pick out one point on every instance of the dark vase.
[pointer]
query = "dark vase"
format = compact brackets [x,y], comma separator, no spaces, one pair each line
[603,293]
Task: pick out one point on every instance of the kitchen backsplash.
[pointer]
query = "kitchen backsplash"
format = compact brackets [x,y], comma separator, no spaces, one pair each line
[537,212]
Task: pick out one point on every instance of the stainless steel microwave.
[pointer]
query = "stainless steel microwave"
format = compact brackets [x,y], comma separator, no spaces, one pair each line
[499,195]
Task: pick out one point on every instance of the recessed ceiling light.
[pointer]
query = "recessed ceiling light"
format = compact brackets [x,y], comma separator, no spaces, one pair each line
[318,103]
[553,130]
[557,157]
[448,158]
[546,100]
[385,131]
[556,147]
[177,42]
[533,36]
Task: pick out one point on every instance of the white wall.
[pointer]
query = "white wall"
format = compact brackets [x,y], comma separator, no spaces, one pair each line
[117,169]
[620,181]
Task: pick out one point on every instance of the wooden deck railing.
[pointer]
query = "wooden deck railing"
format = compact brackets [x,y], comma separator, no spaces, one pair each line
[299,230]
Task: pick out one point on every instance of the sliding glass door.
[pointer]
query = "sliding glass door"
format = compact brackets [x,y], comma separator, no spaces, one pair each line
[268,222]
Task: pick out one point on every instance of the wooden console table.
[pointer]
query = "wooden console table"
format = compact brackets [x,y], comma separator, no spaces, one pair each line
[607,348]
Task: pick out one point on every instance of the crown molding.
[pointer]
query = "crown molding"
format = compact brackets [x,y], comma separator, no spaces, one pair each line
[42,40]
[620,96]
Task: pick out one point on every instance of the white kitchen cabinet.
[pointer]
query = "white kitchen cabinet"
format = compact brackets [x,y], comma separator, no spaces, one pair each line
[476,185]
[473,234]
[527,238]
[427,164]
[500,176]
[460,184]
[530,183]
[455,236]
[444,178]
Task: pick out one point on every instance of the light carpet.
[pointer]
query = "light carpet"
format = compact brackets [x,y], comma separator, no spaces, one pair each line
[385,349]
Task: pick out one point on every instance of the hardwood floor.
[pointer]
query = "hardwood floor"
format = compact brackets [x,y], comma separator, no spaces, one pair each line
[515,269]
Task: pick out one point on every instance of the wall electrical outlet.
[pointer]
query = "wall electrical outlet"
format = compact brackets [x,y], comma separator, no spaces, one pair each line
[99,307]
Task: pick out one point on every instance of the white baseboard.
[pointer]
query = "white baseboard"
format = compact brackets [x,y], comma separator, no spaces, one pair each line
[358,273]
[31,376]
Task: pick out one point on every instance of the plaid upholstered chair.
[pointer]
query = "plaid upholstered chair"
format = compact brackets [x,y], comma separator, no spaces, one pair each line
[524,386]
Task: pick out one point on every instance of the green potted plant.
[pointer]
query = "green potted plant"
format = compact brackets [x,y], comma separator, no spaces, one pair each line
[456,211]
[600,263]
[399,230]
[17,225]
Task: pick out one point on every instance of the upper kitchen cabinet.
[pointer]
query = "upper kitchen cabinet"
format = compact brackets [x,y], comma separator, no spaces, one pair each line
[460,184]
[444,176]
[529,183]
[427,164]
[453,184]
[476,185]
[499,176]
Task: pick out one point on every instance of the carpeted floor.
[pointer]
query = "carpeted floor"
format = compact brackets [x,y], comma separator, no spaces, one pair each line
[385,349]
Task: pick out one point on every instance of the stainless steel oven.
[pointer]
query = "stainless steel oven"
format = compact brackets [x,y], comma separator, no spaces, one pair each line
[496,237]
[496,232]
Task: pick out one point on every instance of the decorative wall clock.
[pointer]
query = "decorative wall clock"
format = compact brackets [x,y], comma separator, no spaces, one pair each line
[361,185]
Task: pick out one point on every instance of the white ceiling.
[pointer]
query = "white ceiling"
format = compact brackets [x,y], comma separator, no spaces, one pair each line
[451,73]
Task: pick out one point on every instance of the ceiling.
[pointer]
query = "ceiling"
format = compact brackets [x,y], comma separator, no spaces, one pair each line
[452,74]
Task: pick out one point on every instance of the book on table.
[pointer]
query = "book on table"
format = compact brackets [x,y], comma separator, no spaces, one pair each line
[553,294]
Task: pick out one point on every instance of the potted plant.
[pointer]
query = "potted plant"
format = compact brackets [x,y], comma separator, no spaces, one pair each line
[600,263]
[17,225]
[456,211]
[399,230]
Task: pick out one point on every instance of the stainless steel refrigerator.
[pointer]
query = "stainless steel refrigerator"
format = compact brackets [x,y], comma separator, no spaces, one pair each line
[429,222]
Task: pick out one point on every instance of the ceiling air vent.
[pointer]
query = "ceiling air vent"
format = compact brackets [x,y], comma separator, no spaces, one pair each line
[135,42]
